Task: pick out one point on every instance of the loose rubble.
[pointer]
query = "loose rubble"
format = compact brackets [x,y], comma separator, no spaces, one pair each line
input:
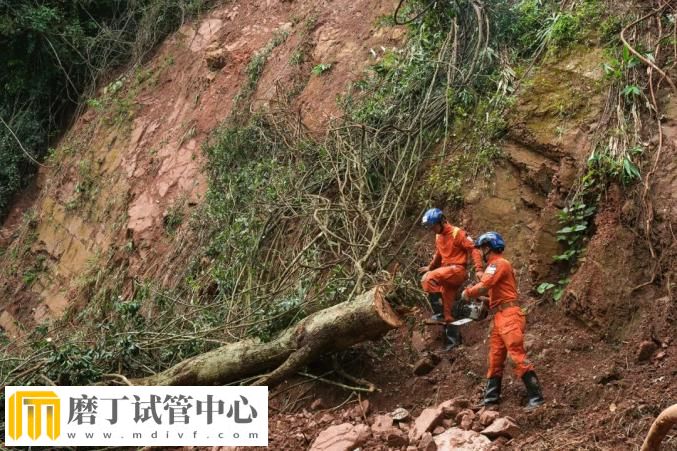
[451,425]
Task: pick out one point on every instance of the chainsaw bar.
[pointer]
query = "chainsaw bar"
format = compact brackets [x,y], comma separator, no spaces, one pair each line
[459,322]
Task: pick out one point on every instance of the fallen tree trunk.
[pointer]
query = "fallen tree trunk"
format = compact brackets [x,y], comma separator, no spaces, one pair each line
[660,428]
[367,317]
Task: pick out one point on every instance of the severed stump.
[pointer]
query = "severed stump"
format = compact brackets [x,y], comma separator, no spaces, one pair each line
[660,428]
[367,317]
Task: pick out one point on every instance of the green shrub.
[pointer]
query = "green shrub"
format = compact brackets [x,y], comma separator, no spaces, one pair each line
[320,69]
[610,30]
[529,24]
[51,54]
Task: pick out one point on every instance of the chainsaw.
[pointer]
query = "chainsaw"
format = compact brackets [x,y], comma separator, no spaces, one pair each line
[470,311]
[467,312]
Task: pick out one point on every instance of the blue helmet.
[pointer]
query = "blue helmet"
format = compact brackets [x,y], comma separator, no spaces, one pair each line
[493,239]
[431,217]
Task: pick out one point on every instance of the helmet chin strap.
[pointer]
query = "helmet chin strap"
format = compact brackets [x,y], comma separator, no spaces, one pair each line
[485,254]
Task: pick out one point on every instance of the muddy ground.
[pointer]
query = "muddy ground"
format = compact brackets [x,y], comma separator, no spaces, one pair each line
[599,395]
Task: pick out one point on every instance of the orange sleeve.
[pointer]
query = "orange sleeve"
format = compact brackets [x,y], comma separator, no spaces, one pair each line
[436,261]
[476,258]
[466,243]
[492,274]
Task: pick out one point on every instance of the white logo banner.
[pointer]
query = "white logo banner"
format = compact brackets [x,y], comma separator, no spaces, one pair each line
[136,416]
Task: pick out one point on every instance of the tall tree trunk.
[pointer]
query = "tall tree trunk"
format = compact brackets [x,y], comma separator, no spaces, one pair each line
[367,317]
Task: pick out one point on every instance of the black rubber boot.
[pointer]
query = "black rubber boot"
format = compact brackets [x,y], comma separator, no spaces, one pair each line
[534,395]
[492,394]
[452,336]
[435,300]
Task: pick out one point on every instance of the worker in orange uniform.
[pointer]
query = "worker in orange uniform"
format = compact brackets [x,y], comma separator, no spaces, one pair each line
[507,321]
[447,271]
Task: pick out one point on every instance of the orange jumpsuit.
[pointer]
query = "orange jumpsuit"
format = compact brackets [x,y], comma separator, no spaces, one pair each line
[506,336]
[447,268]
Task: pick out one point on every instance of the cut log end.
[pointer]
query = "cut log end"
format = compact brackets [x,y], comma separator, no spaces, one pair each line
[384,310]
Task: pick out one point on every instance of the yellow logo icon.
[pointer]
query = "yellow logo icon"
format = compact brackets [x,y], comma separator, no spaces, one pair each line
[35,402]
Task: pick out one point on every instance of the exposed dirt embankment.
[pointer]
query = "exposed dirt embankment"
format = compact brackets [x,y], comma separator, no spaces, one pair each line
[616,289]
[133,160]
[132,165]
[543,154]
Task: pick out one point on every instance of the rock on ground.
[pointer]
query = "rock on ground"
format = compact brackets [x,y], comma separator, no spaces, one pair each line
[396,438]
[427,443]
[382,424]
[428,419]
[216,59]
[449,409]
[426,364]
[488,416]
[343,437]
[456,439]
[400,414]
[465,413]
[646,350]
[502,427]
[466,422]
[361,410]
[317,404]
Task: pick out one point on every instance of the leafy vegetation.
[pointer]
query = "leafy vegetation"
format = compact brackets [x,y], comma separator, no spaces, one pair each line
[320,69]
[300,53]
[174,217]
[256,196]
[617,148]
[294,223]
[266,256]
[52,54]
[623,169]
[117,101]
[576,222]
[576,219]
[533,25]
[32,274]
[256,65]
